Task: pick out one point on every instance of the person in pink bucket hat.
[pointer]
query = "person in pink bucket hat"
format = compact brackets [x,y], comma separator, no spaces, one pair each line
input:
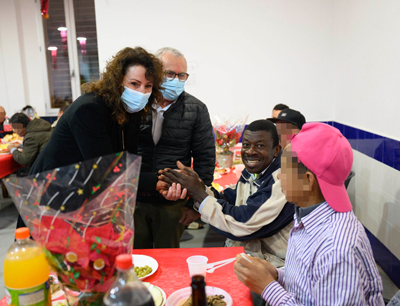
[329,259]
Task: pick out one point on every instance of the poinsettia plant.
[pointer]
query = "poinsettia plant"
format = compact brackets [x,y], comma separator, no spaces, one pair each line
[82,216]
[227,134]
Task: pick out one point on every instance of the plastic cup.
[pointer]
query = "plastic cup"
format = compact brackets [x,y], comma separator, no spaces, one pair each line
[197,265]
[238,170]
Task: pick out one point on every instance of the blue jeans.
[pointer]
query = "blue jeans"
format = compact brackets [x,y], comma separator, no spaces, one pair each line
[395,301]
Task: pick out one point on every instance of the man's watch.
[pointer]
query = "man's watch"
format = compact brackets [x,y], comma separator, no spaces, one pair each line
[196,206]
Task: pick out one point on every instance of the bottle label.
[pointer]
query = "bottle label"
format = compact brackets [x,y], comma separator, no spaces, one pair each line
[7,128]
[35,296]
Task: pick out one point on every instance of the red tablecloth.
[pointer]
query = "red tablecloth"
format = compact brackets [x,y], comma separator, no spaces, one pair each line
[228,179]
[173,273]
[8,165]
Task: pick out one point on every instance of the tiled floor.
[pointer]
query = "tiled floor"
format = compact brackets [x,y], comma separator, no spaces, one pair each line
[205,237]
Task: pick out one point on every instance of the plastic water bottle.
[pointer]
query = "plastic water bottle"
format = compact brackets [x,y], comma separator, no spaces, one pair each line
[26,272]
[127,289]
[6,125]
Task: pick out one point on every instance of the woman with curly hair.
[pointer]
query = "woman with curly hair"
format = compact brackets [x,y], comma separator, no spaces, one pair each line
[106,118]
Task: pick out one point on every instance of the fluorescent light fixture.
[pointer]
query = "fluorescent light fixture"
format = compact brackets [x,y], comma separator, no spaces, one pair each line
[52,48]
[62,29]
[81,38]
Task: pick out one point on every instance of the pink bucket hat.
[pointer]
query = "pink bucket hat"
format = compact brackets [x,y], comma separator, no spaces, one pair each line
[328,154]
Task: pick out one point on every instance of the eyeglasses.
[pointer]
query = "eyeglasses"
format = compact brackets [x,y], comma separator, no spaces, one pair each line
[170,75]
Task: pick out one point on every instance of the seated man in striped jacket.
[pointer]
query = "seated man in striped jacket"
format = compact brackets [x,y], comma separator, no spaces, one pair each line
[329,259]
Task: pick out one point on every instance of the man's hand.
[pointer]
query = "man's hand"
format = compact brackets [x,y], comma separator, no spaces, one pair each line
[13,145]
[188,216]
[256,274]
[188,179]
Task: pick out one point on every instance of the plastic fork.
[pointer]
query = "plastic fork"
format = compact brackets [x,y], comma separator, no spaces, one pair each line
[221,265]
[213,264]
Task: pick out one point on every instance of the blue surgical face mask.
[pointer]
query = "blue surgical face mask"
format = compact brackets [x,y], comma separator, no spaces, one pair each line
[173,89]
[134,100]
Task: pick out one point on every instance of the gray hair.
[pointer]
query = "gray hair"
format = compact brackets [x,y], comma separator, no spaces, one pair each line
[160,52]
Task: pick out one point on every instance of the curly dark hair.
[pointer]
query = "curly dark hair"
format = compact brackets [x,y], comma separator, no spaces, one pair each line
[110,87]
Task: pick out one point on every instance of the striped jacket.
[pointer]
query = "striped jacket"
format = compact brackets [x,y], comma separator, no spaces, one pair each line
[329,262]
[254,214]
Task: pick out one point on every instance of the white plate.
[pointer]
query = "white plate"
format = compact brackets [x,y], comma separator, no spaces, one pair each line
[181,295]
[142,260]
[162,292]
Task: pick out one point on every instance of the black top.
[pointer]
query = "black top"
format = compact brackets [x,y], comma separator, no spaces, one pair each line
[186,134]
[87,130]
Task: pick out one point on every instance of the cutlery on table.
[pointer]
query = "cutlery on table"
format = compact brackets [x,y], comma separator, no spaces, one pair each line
[213,264]
[217,267]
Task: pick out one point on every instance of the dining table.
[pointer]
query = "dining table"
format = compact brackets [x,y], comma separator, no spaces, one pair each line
[172,273]
[7,165]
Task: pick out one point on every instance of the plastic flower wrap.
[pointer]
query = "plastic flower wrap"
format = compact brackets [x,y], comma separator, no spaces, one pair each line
[227,135]
[82,215]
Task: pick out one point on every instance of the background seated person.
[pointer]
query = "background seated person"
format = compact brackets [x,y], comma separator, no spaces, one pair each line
[60,113]
[277,109]
[288,123]
[36,134]
[329,257]
[254,213]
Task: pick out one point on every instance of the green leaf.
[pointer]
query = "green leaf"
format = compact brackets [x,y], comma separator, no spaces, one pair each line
[72,269]
[77,274]
[98,239]
[93,246]
[72,280]
[98,251]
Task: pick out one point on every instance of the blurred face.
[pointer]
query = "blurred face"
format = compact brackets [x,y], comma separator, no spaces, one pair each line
[18,128]
[286,131]
[294,182]
[2,114]
[257,150]
[173,63]
[135,78]
[275,113]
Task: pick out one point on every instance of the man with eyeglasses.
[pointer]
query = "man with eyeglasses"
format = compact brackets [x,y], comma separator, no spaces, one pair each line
[178,128]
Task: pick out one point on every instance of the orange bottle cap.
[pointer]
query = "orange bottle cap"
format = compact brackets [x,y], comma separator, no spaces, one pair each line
[22,233]
[124,261]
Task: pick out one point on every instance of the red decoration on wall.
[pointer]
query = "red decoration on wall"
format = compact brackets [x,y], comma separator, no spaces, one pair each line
[44,8]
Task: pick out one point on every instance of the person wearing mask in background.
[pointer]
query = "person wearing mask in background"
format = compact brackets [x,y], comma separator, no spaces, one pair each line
[329,258]
[179,128]
[277,109]
[60,113]
[36,134]
[288,123]
[106,118]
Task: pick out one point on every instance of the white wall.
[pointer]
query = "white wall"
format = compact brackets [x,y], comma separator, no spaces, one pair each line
[250,55]
[367,95]
[21,65]
[367,65]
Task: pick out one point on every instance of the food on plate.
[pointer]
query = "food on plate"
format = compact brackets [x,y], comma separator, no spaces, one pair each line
[11,138]
[3,147]
[143,271]
[156,294]
[212,300]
